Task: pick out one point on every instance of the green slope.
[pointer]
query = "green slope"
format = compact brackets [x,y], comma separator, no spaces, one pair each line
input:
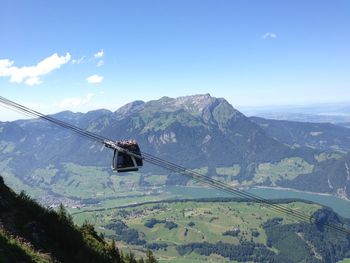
[31,233]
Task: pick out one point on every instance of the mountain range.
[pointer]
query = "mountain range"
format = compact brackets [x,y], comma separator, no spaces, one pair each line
[198,132]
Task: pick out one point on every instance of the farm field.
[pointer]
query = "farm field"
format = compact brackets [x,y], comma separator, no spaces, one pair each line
[193,222]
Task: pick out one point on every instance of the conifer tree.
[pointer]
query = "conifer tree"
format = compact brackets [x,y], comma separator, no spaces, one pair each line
[150,258]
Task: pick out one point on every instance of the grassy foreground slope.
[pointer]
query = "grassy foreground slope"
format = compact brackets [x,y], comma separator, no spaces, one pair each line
[31,233]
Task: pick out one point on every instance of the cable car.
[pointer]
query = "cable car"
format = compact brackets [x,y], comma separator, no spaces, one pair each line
[123,162]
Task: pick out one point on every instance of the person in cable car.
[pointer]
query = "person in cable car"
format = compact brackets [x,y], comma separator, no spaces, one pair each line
[123,162]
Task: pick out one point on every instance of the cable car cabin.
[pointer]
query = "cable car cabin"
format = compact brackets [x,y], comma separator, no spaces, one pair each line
[123,162]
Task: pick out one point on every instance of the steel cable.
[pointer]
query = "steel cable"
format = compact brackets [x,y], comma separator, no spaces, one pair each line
[217,184]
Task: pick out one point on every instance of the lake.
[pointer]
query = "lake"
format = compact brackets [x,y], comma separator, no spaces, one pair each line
[341,206]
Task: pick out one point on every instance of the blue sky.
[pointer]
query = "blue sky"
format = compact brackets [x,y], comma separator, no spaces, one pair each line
[82,55]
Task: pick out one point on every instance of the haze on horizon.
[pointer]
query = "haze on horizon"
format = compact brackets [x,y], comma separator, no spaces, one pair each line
[82,55]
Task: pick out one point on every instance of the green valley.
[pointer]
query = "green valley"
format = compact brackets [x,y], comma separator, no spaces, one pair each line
[180,231]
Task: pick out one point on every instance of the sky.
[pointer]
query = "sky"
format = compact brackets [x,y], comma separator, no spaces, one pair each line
[84,55]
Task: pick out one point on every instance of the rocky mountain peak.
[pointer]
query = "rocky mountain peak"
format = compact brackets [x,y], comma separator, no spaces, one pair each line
[204,106]
[195,104]
[129,108]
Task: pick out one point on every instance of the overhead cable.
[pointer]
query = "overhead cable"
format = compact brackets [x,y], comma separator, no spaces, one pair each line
[205,179]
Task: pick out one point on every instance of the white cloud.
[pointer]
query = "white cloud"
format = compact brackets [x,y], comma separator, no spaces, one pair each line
[99,54]
[94,79]
[269,35]
[100,63]
[79,60]
[30,75]
[74,102]
[33,81]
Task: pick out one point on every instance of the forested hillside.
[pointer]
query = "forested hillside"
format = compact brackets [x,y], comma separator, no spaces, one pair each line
[31,233]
